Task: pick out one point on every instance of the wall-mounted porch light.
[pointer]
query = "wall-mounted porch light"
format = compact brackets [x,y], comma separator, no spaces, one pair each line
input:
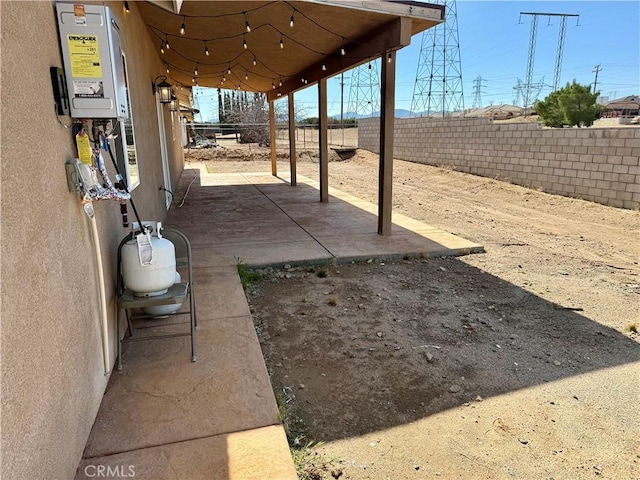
[173,104]
[162,88]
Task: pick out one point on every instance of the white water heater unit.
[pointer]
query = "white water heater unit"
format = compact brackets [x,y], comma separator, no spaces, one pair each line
[93,61]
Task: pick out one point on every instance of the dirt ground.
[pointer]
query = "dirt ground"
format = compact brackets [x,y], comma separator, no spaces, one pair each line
[521,362]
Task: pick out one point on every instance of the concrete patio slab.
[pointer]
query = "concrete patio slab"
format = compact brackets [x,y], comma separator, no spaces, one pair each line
[161,397]
[249,455]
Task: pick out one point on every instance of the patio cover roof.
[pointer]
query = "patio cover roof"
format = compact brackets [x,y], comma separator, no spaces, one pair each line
[311,48]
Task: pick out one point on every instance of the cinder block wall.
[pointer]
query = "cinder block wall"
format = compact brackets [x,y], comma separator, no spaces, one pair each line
[596,164]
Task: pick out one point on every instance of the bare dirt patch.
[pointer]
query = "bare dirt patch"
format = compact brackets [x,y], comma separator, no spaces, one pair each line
[517,363]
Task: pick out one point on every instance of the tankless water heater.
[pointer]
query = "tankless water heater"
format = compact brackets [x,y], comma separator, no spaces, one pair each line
[93,61]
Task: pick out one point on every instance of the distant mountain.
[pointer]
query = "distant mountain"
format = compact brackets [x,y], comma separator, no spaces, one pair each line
[399,113]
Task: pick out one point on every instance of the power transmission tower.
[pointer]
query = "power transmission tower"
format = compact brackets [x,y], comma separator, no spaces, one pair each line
[364,92]
[529,87]
[477,92]
[438,85]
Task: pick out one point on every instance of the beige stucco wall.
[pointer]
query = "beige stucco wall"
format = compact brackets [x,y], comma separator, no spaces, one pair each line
[52,378]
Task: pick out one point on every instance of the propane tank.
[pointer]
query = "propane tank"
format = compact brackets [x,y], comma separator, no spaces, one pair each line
[148,263]
[164,310]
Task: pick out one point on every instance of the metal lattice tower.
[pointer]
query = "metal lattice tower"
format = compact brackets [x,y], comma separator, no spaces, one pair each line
[438,85]
[529,87]
[477,92]
[364,92]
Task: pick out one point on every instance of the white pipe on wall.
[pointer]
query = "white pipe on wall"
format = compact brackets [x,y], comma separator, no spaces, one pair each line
[88,208]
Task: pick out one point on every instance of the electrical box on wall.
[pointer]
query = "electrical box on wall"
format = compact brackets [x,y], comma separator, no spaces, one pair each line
[93,62]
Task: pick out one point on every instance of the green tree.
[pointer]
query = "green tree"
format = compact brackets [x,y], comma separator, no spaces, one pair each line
[572,105]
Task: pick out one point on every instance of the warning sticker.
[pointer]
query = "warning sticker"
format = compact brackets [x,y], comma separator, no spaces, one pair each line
[78,13]
[84,55]
[88,89]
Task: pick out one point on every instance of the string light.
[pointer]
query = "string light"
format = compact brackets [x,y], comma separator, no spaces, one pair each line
[244,42]
[255,61]
[166,43]
[162,47]
[167,68]
[389,58]
[246,75]
[280,82]
[281,42]
[195,72]
[273,85]
[206,49]
[324,67]
[183,27]
[193,80]
[369,64]
[342,51]
[291,21]
[229,69]
[126,6]
[246,22]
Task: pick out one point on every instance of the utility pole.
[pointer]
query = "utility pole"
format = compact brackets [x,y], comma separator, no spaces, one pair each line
[596,69]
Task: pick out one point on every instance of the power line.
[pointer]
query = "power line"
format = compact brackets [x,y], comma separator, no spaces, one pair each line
[477,92]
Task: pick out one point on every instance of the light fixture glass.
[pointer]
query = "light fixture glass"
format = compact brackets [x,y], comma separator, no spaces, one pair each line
[162,88]
[173,104]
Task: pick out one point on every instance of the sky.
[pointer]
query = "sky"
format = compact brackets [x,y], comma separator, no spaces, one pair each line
[494,44]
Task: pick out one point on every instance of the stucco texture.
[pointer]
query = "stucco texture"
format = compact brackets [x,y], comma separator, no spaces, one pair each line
[52,378]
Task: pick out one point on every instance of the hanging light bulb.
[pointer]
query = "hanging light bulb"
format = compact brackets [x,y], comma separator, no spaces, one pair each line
[302,79]
[206,49]
[224,79]
[244,42]
[281,41]
[193,80]
[126,6]
[183,27]
[167,68]
[246,75]
[342,51]
[389,58]
[195,72]
[197,83]
[166,43]
[246,23]
[273,85]
[255,61]
[229,69]
[324,67]
[369,64]
[280,82]
[162,48]
[291,21]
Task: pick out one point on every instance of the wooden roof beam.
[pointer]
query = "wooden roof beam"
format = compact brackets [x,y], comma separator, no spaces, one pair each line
[391,36]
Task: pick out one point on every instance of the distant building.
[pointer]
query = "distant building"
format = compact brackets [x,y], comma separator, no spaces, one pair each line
[623,107]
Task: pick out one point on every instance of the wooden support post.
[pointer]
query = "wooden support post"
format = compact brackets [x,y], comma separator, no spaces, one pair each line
[272,137]
[292,141]
[387,111]
[323,140]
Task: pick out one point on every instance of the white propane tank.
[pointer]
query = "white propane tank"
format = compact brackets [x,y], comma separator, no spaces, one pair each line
[146,273]
[164,310]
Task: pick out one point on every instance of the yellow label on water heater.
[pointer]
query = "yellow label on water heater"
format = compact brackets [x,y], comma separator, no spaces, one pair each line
[84,56]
